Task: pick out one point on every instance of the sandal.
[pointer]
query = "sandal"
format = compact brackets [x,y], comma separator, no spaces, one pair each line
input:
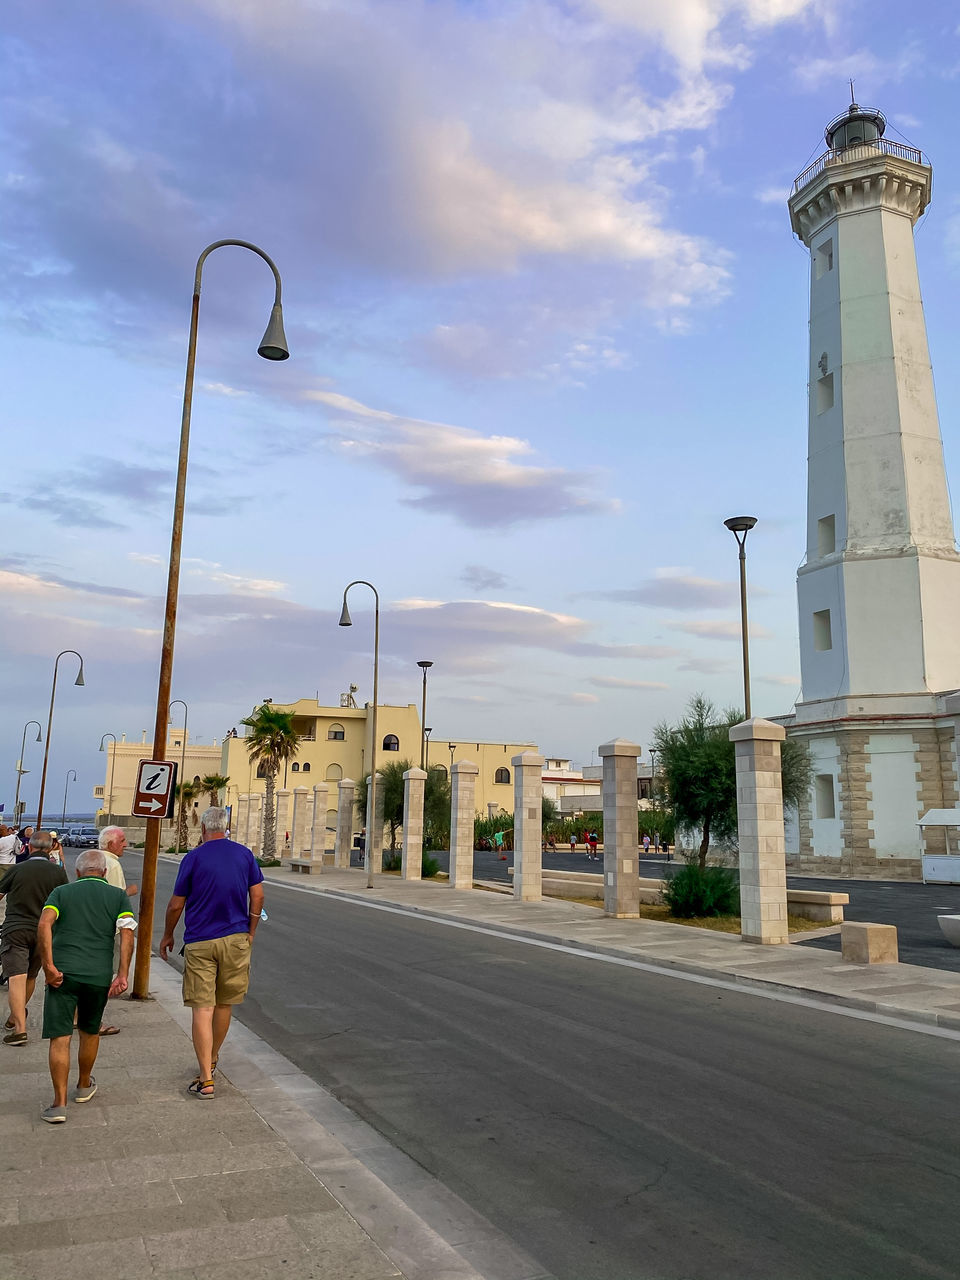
[201,1088]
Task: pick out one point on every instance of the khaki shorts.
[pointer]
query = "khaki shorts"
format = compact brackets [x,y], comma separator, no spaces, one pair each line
[216,972]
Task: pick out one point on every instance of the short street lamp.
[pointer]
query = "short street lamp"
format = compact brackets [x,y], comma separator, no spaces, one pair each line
[426,751]
[63,815]
[347,621]
[740,526]
[113,765]
[424,667]
[273,346]
[21,770]
[46,748]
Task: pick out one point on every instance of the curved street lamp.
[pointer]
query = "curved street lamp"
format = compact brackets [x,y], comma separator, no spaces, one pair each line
[113,765]
[21,770]
[63,814]
[424,667]
[347,621]
[740,526]
[183,757]
[46,748]
[273,346]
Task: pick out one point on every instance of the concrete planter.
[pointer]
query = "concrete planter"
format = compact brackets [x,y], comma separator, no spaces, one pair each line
[950,928]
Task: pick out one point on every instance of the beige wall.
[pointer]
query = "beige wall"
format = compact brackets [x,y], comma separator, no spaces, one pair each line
[322,758]
[201,759]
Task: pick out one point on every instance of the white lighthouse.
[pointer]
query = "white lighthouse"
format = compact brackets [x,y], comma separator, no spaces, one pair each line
[879,589]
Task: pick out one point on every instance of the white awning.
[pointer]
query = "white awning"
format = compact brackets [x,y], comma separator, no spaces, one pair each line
[940,818]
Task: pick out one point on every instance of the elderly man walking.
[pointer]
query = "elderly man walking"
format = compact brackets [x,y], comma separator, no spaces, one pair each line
[75,935]
[221,885]
[25,887]
[113,841]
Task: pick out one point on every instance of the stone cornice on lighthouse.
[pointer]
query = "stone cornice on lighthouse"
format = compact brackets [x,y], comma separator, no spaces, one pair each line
[874,177]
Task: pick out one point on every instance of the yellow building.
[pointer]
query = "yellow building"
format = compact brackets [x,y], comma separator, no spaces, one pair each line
[115,796]
[335,743]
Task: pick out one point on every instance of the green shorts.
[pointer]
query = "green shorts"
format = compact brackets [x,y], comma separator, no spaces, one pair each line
[60,1004]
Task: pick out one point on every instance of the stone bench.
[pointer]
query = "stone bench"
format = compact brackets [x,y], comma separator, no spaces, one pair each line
[862,943]
[303,865]
[817,904]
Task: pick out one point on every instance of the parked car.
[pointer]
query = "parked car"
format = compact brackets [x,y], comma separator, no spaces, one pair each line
[83,837]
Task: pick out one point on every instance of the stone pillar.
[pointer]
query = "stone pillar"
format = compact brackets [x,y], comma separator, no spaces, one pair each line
[621,866]
[345,791]
[527,826]
[763,870]
[243,819]
[283,820]
[255,830]
[414,783]
[374,825]
[463,790]
[298,828]
[318,822]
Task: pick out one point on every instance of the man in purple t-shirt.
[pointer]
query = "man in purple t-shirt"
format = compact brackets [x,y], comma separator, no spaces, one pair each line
[221,885]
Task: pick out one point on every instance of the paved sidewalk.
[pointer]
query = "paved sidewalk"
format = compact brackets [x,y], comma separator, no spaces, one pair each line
[906,992]
[148,1181]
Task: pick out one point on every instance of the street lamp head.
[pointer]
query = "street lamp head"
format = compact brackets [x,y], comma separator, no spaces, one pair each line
[345,619]
[79,679]
[740,524]
[274,343]
[39,739]
[428,732]
[424,665]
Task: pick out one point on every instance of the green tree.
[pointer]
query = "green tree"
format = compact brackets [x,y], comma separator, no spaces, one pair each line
[271,741]
[436,799]
[697,767]
[436,810]
[213,784]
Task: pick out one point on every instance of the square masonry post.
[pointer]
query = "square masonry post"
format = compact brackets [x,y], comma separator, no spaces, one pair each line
[298,826]
[282,820]
[763,869]
[318,823]
[243,819]
[528,826]
[414,783]
[346,788]
[374,850]
[463,811]
[621,859]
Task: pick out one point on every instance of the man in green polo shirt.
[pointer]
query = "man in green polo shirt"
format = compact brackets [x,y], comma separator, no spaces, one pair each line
[75,938]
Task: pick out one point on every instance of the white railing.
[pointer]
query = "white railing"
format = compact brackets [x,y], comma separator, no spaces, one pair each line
[861,151]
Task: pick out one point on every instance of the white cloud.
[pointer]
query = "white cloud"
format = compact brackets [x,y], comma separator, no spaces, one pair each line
[773,194]
[672,588]
[790,682]
[579,699]
[862,65]
[482,481]
[221,389]
[210,571]
[720,630]
[614,682]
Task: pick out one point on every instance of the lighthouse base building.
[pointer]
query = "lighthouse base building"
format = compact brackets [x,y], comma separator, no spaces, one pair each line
[879,590]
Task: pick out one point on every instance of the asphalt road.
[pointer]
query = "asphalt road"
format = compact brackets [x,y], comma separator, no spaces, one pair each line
[620,1125]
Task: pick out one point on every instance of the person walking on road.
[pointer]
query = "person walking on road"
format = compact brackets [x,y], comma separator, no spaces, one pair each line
[113,841]
[25,888]
[221,886]
[75,937]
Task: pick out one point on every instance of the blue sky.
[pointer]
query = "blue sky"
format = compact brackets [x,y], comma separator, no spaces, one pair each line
[547,323]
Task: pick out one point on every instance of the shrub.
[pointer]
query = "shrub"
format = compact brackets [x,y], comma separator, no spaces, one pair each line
[429,867]
[693,891]
[392,861]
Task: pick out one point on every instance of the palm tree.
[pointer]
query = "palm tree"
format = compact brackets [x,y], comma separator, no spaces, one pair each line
[271,741]
[213,784]
[186,793]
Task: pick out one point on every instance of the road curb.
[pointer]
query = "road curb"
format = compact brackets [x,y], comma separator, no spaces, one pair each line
[921,1017]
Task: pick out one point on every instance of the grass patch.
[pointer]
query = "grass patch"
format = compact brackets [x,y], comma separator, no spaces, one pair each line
[719,924]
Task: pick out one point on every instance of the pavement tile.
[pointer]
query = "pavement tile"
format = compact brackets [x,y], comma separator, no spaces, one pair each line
[55,1179]
[124,1225]
[117,1260]
[208,1246]
[135,1201]
[132,1170]
[339,1241]
[21,1237]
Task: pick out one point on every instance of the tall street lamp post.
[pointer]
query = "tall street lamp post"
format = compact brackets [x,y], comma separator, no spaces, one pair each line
[20,769]
[347,621]
[424,667]
[113,765]
[740,526]
[63,814]
[46,747]
[179,702]
[273,346]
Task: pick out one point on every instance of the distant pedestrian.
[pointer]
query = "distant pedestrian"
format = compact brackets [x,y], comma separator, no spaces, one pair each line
[26,887]
[552,844]
[646,845]
[56,849]
[23,835]
[221,885]
[75,937]
[592,842]
[9,846]
[573,842]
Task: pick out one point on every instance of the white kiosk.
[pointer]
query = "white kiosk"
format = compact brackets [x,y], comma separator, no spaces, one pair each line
[940,868]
